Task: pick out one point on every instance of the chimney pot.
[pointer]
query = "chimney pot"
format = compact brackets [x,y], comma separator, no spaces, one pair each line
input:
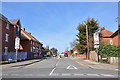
[29,33]
[23,29]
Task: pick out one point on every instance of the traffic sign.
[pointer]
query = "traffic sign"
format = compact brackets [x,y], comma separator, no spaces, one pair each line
[96,38]
[17,43]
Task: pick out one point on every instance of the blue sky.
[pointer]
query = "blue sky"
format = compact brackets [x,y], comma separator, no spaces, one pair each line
[54,23]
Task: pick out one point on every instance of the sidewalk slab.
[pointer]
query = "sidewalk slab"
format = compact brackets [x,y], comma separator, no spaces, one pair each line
[22,63]
[101,65]
[96,65]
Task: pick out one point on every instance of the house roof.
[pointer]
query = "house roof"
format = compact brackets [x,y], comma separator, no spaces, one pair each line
[14,21]
[29,36]
[115,33]
[2,17]
[106,33]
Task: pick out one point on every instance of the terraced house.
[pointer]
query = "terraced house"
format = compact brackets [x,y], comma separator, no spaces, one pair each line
[30,47]
[30,44]
[9,29]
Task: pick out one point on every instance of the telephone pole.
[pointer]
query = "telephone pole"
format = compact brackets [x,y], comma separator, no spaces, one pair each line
[87,42]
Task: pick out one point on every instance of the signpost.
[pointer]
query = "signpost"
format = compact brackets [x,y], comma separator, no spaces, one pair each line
[17,45]
[96,42]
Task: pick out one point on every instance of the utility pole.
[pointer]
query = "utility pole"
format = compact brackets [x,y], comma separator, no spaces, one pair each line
[87,42]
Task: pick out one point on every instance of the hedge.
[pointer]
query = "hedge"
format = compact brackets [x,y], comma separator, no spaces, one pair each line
[109,50]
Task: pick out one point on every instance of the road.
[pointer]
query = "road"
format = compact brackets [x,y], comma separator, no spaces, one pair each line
[52,67]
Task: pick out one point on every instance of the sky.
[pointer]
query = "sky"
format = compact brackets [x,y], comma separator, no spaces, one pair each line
[55,23]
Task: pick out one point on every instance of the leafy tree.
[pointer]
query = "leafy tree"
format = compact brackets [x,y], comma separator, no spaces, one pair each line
[47,49]
[81,36]
[54,51]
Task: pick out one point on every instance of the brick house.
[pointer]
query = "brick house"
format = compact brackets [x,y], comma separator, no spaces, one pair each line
[9,29]
[30,44]
[116,37]
[110,38]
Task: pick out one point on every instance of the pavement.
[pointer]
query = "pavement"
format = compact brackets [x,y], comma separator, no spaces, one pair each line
[97,65]
[52,67]
[20,64]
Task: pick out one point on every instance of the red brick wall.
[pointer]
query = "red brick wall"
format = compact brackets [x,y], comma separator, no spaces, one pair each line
[116,40]
[106,41]
[10,43]
[26,46]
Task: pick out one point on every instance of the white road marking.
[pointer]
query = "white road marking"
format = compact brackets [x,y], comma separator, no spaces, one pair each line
[66,74]
[79,74]
[52,71]
[108,75]
[54,74]
[71,67]
[57,63]
[93,75]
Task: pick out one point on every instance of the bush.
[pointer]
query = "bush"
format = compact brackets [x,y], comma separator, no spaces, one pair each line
[109,51]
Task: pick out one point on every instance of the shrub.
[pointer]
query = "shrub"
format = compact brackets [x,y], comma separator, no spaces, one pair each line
[109,51]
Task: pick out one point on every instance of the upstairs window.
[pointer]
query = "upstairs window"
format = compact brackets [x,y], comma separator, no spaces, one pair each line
[6,37]
[18,30]
[31,42]
[7,26]
[31,49]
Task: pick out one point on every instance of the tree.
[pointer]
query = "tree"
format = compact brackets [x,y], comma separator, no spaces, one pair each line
[81,36]
[54,51]
[47,49]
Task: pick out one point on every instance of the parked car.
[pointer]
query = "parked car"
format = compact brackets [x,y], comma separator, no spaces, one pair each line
[54,55]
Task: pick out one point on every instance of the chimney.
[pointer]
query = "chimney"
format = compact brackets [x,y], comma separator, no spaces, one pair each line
[102,28]
[29,33]
[23,29]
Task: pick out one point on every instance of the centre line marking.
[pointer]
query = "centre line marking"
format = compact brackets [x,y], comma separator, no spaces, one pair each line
[54,68]
[79,74]
[92,74]
[108,75]
[52,71]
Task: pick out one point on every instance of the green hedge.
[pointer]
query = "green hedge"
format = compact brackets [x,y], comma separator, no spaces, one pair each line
[109,51]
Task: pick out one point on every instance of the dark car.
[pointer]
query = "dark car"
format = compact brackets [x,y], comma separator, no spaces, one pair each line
[65,54]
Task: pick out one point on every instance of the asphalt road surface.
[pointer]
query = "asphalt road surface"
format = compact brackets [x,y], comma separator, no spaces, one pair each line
[52,67]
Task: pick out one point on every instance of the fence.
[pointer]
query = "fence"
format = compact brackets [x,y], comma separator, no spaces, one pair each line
[113,60]
[12,56]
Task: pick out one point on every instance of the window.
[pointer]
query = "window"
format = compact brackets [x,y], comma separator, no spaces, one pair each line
[6,37]
[31,49]
[7,26]
[111,42]
[6,50]
[31,42]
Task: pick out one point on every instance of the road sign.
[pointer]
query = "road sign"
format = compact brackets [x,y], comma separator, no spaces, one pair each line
[96,38]
[17,43]
[96,46]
